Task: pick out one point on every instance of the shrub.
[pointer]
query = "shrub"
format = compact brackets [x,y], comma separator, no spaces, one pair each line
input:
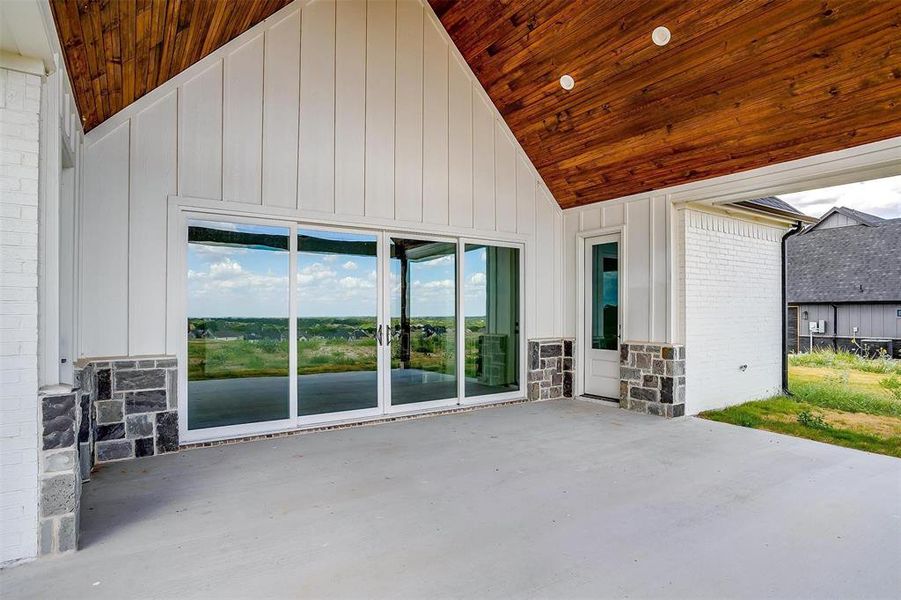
[809,419]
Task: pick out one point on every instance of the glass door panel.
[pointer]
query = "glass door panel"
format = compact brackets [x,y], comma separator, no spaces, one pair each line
[423,308]
[337,322]
[491,301]
[605,296]
[238,324]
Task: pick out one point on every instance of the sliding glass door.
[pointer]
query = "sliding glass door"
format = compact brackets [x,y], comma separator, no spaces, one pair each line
[238,324]
[423,308]
[337,322]
[491,298]
[289,325]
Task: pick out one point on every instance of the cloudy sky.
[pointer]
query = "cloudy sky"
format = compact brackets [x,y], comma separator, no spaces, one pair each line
[880,197]
[226,281]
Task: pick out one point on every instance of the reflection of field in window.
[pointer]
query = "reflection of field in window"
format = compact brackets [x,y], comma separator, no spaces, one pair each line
[237,301]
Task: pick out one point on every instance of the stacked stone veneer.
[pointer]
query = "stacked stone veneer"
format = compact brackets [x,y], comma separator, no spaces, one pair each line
[550,369]
[135,407]
[652,378]
[60,476]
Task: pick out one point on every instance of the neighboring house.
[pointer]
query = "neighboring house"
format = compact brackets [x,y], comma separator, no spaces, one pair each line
[598,233]
[844,276]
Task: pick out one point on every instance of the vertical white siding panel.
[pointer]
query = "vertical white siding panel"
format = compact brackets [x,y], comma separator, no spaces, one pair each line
[316,171]
[200,135]
[459,143]
[483,209]
[659,260]
[614,215]
[380,37]
[525,197]
[104,246]
[545,266]
[243,123]
[571,222]
[504,179]
[591,219]
[281,96]
[434,133]
[557,278]
[153,171]
[350,107]
[408,112]
[638,271]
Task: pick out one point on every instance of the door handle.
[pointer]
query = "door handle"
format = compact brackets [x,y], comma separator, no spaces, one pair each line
[388,336]
[378,335]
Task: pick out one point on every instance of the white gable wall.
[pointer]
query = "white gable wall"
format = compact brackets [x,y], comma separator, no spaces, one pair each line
[359,113]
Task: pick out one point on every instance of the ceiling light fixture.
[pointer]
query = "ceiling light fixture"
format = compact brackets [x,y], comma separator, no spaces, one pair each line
[661,36]
[567,82]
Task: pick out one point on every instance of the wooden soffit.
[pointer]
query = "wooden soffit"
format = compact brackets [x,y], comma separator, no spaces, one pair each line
[742,84]
[118,50]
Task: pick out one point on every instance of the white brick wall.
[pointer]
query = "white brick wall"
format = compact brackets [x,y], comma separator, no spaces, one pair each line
[19,126]
[732,297]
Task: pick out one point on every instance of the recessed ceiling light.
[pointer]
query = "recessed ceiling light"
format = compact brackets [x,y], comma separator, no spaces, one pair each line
[661,36]
[567,82]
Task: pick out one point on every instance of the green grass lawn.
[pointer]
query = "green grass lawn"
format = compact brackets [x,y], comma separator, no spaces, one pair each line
[837,398]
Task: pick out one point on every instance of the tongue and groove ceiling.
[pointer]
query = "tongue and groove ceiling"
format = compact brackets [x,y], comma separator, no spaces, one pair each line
[118,50]
[742,84]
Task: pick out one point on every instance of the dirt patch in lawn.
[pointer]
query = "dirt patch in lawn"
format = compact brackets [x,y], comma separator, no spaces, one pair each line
[880,425]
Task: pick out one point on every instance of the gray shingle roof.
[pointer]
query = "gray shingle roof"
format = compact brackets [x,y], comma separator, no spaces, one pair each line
[846,264]
[774,202]
[855,215]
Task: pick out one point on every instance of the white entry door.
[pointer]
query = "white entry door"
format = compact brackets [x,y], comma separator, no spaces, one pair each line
[603,322]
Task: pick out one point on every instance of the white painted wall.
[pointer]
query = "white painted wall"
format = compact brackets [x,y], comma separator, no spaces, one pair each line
[732,294]
[20,95]
[354,112]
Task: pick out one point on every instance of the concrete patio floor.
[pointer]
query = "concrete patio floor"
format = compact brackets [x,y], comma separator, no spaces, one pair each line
[555,499]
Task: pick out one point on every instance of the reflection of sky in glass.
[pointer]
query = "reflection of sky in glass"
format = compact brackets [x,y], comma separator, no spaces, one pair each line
[227,281]
[234,281]
[432,286]
[332,284]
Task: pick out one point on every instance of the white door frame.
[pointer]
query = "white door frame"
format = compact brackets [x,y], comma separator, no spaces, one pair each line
[582,238]
[186,435]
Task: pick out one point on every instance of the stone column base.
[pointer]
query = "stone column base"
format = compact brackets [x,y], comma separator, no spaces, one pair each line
[550,369]
[652,378]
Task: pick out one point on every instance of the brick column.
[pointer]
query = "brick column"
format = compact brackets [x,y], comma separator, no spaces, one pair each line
[20,96]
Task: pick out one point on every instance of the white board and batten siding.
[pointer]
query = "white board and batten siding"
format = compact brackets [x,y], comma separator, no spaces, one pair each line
[354,112]
[644,225]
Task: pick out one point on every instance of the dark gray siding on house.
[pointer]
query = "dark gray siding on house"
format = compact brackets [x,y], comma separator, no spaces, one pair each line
[873,321]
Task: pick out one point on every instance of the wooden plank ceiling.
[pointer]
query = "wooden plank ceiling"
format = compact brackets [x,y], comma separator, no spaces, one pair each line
[742,84]
[118,50]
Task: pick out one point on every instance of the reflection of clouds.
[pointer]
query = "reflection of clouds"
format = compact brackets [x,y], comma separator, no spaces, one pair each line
[314,272]
[209,253]
[226,288]
[324,292]
[443,261]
